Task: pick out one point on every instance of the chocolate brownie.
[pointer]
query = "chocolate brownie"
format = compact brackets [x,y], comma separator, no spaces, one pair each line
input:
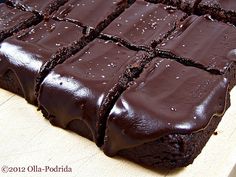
[188,6]
[23,55]
[144,24]
[13,20]
[158,112]
[42,7]
[219,9]
[206,44]
[89,82]
[165,118]
[85,12]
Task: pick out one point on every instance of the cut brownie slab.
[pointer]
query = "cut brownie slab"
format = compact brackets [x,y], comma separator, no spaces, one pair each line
[204,43]
[95,14]
[165,118]
[22,56]
[13,20]
[219,9]
[143,24]
[42,7]
[79,93]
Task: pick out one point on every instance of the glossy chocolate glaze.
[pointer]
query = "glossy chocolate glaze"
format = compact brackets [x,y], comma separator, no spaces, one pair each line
[144,23]
[26,53]
[168,98]
[205,42]
[11,20]
[78,88]
[88,13]
[43,7]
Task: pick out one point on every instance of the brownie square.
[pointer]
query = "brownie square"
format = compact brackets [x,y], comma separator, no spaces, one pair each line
[22,56]
[206,44]
[13,20]
[95,14]
[144,24]
[88,83]
[42,7]
[219,9]
[157,120]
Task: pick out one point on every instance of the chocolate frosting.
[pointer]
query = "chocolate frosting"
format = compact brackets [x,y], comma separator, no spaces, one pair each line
[76,89]
[168,98]
[26,53]
[205,42]
[87,12]
[145,23]
[10,18]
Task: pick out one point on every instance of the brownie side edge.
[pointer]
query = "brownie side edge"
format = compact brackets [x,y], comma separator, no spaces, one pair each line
[132,72]
[173,150]
[10,82]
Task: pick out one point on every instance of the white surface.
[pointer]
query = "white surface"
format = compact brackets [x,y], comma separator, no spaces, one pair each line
[27,140]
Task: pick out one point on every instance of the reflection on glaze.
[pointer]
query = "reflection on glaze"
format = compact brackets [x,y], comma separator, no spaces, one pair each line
[17,56]
[184,126]
[117,110]
[232,55]
[68,85]
[100,99]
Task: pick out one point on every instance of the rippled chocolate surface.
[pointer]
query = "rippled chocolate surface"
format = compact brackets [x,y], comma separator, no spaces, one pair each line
[77,88]
[88,12]
[167,98]
[24,54]
[145,23]
[205,42]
